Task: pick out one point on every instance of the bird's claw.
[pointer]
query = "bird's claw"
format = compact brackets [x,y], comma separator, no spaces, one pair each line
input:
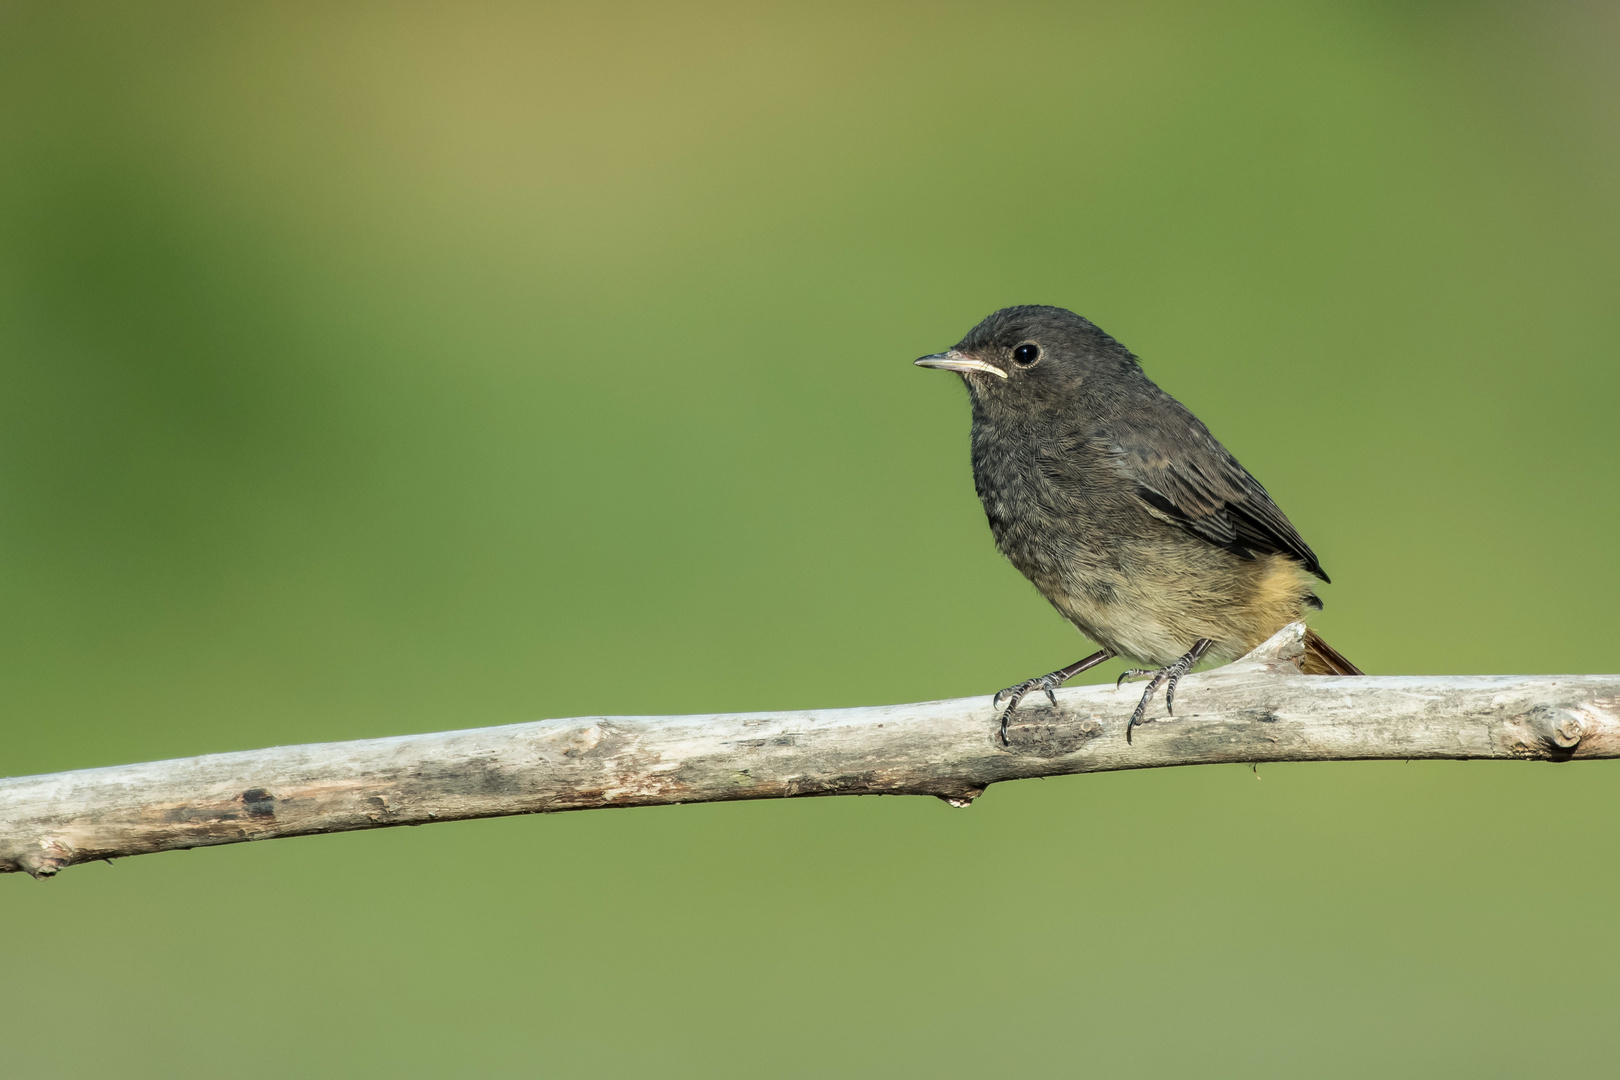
[1014,694]
[1167,676]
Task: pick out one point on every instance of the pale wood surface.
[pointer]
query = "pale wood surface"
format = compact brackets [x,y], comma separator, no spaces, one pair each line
[1257,709]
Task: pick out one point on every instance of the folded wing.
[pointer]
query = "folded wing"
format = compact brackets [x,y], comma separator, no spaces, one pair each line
[1189,478]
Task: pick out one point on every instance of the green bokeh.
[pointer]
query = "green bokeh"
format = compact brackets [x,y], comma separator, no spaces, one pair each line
[378,368]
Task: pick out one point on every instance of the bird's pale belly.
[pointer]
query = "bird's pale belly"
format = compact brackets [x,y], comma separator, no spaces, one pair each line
[1167,595]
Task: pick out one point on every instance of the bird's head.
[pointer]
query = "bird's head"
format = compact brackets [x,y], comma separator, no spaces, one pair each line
[1032,358]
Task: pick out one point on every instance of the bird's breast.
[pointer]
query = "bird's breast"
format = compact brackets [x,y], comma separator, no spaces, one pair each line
[1039,500]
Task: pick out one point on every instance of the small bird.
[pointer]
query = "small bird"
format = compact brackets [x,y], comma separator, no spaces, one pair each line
[1122,509]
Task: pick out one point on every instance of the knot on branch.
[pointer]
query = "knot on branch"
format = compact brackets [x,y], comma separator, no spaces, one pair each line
[961,799]
[1279,654]
[52,856]
[1560,727]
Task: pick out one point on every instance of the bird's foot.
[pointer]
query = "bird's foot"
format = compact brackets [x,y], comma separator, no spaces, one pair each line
[1167,676]
[1045,684]
[1014,694]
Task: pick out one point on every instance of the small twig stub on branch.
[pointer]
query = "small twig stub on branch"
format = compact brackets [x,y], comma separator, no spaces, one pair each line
[1257,709]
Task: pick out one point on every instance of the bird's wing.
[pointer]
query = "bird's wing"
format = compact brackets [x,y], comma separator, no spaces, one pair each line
[1189,478]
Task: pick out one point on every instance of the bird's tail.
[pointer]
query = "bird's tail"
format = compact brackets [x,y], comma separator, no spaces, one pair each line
[1323,659]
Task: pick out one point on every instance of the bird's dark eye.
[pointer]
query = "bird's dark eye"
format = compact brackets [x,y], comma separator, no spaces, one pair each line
[1027,354]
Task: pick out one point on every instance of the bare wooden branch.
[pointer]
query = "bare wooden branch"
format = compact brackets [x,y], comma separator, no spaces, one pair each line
[1257,709]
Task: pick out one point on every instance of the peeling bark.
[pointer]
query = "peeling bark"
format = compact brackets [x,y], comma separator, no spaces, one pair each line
[1257,709]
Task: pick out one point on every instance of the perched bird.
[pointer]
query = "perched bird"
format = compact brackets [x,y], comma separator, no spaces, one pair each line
[1122,509]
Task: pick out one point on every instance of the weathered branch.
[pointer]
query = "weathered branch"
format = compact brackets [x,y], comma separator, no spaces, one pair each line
[1257,709]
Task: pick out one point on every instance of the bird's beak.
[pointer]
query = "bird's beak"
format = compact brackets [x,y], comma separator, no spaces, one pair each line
[961,363]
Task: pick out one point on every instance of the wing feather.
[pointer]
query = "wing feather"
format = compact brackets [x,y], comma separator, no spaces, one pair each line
[1191,479]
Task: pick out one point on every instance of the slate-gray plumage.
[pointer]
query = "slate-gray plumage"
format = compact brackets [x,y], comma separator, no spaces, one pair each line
[1121,507]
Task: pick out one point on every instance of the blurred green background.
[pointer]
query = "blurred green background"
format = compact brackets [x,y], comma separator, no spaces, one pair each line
[378,368]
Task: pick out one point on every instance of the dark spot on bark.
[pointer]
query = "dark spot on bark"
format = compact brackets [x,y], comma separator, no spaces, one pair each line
[259,803]
[1047,732]
[836,785]
[472,777]
[1262,716]
[760,744]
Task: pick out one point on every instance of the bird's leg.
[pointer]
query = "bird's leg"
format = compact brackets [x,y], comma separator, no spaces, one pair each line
[1170,674]
[1046,684]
